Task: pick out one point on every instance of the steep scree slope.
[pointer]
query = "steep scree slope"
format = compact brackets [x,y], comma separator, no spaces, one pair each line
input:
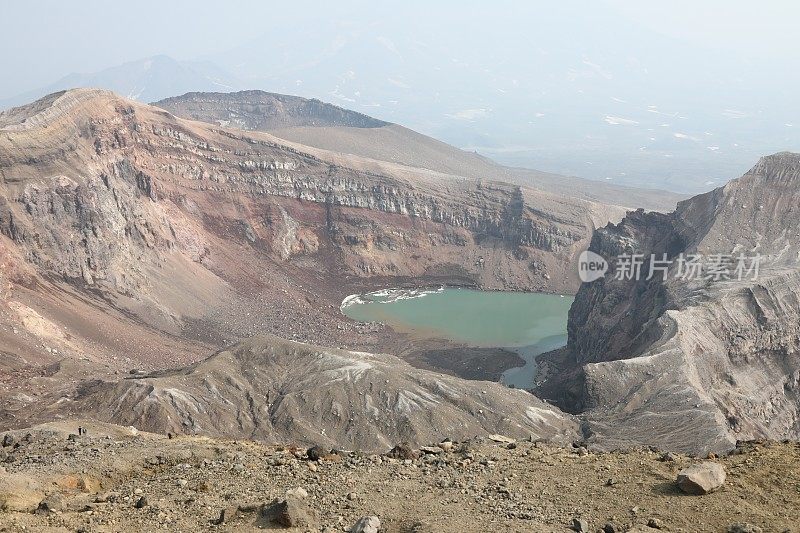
[281,391]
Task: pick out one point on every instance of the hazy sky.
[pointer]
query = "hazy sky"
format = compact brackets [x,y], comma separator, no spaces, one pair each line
[682,94]
[44,40]
[758,29]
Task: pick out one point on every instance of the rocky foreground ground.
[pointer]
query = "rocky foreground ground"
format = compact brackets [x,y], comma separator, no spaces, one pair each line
[118,479]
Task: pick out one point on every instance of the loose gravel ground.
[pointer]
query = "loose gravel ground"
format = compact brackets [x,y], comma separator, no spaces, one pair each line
[116,479]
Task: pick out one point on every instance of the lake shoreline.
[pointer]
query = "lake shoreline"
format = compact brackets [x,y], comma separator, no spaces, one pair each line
[456,359]
[475,334]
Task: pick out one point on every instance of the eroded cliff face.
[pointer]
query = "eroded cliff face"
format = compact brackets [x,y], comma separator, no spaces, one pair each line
[693,364]
[132,238]
[106,179]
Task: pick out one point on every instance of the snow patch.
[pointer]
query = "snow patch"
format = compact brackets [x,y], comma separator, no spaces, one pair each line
[685,136]
[386,296]
[734,113]
[468,114]
[537,414]
[408,401]
[181,396]
[619,121]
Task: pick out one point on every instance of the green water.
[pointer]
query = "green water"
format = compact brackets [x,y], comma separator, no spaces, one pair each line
[528,323]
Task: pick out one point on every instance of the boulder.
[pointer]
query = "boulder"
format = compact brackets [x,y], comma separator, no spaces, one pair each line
[290,512]
[315,453]
[53,502]
[403,451]
[702,478]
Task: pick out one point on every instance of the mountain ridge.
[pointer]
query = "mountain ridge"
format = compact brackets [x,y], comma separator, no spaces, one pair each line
[253,111]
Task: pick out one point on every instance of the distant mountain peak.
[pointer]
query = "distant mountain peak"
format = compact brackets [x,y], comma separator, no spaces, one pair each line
[146,79]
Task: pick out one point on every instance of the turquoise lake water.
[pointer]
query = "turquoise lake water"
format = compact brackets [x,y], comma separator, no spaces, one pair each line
[527,323]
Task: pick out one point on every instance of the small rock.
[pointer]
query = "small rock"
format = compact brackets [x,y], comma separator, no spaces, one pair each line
[366,524]
[580,525]
[8,440]
[141,502]
[655,523]
[225,515]
[611,527]
[433,450]
[744,528]
[446,445]
[351,496]
[182,483]
[702,478]
[501,439]
[107,497]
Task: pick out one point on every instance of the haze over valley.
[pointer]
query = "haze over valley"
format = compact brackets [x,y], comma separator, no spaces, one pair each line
[606,90]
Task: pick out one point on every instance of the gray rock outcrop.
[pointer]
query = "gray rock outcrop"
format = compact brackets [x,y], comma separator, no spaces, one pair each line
[692,363]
